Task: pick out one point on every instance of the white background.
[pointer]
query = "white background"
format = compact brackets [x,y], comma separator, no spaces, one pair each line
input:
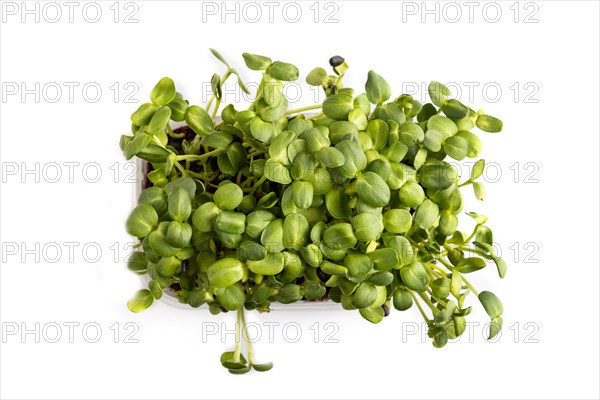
[547,72]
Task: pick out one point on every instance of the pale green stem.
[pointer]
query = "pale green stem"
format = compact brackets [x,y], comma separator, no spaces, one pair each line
[439,269]
[195,157]
[214,113]
[467,240]
[248,342]
[183,171]
[256,153]
[257,184]
[212,98]
[475,292]
[238,337]
[173,134]
[428,302]
[317,116]
[258,95]
[446,263]
[419,307]
[436,299]
[307,108]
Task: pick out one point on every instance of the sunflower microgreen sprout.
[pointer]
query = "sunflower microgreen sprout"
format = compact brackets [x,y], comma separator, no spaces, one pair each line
[351,201]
